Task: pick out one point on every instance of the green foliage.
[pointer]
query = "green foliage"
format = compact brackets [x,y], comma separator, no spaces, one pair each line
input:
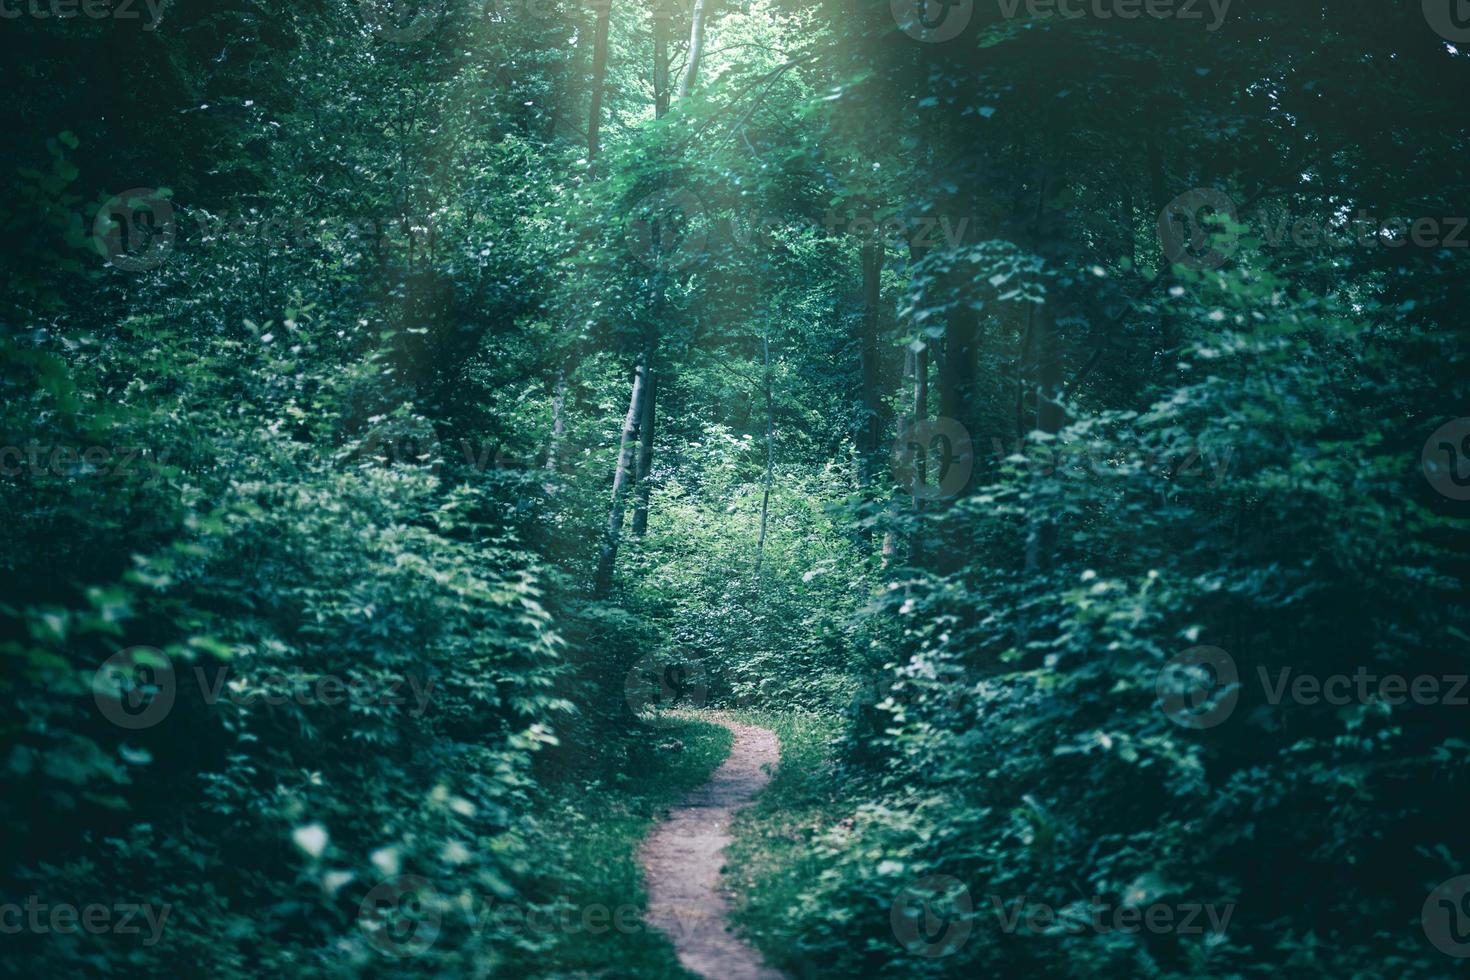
[773,861]
[774,635]
[319,470]
[598,825]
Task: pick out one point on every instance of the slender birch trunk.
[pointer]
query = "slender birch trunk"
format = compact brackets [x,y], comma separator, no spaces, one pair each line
[608,557]
[558,425]
[760,544]
[641,486]
[696,49]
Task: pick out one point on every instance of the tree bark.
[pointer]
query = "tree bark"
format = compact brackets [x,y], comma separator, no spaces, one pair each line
[959,380]
[1041,540]
[599,79]
[870,425]
[558,423]
[642,486]
[576,78]
[1042,534]
[921,460]
[760,543]
[607,559]
[696,49]
[920,351]
[660,58]
[890,537]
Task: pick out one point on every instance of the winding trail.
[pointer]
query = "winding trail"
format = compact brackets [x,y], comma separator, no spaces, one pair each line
[681,862]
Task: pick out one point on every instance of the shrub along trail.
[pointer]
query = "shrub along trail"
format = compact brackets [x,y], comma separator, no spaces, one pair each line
[682,860]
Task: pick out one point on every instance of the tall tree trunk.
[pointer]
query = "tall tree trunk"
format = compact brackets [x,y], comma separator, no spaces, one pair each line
[696,49]
[660,59]
[870,426]
[1050,416]
[890,536]
[1042,536]
[599,79]
[576,78]
[760,543]
[917,252]
[642,486]
[921,459]
[1025,372]
[558,423]
[608,557]
[959,380]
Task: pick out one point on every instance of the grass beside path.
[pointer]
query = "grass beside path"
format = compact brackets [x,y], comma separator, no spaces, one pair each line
[771,861]
[600,829]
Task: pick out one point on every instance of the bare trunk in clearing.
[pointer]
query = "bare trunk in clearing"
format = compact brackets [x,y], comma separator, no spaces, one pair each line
[641,486]
[608,558]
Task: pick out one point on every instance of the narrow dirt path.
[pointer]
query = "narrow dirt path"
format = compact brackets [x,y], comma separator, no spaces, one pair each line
[681,862]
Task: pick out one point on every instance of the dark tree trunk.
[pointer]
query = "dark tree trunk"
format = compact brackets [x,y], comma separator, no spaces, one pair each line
[870,424]
[576,79]
[660,59]
[921,460]
[890,536]
[599,79]
[1042,537]
[648,417]
[959,377]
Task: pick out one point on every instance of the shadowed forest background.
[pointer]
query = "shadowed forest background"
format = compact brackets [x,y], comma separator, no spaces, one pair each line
[1050,420]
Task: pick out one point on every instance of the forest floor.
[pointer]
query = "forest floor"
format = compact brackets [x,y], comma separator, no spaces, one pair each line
[683,858]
